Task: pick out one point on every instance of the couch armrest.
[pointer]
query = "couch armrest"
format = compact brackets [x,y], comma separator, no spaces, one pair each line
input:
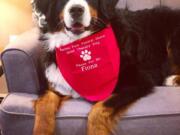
[21,63]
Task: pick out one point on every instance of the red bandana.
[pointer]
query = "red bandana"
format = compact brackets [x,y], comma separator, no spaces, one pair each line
[91,65]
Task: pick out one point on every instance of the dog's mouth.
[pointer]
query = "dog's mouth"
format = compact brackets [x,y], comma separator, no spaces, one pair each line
[77,28]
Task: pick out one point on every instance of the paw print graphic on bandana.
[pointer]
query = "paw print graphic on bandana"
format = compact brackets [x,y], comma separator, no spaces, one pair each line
[86,55]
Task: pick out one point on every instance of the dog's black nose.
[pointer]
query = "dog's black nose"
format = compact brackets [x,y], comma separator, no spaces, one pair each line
[77,11]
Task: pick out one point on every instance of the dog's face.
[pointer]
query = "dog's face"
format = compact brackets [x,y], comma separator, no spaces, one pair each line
[75,16]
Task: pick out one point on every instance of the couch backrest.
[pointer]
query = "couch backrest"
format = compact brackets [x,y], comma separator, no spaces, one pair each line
[143,4]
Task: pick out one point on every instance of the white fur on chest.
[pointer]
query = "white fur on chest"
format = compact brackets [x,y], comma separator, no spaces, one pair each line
[52,72]
[58,82]
[61,39]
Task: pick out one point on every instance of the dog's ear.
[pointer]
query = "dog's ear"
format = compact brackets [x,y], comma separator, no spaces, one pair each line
[44,12]
[107,8]
[40,9]
[41,5]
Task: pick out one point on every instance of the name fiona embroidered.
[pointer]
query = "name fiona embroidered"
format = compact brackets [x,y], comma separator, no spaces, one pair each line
[91,65]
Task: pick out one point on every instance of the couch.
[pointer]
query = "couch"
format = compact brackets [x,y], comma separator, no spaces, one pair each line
[156,114]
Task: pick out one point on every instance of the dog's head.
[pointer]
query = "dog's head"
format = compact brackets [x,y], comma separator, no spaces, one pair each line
[75,16]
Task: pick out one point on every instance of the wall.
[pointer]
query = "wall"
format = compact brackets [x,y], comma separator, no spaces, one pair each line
[15,18]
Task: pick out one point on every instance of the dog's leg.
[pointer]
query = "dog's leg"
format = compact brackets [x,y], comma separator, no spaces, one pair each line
[45,109]
[102,119]
[174,57]
[104,115]
[99,120]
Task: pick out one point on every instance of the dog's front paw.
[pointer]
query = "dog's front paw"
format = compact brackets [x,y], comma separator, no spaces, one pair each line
[173,80]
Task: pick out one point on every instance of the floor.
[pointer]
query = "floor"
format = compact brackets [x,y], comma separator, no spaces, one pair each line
[3,87]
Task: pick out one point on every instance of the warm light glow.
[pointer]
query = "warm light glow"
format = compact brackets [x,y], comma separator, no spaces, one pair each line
[12,38]
[15,18]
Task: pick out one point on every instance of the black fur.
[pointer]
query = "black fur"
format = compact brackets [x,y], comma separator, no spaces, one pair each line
[143,38]
[107,8]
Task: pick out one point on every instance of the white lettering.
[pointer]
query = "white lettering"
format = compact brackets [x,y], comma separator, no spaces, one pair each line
[65,49]
[100,37]
[90,67]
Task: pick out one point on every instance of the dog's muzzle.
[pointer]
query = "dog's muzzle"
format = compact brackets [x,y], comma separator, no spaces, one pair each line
[77,12]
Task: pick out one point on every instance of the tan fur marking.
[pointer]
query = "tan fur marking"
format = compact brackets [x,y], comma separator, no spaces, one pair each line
[169,52]
[45,109]
[174,68]
[61,15]
[93,12]
[101,120]
[177,80]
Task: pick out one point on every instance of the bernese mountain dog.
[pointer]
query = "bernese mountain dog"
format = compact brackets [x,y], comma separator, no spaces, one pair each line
[149,41]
